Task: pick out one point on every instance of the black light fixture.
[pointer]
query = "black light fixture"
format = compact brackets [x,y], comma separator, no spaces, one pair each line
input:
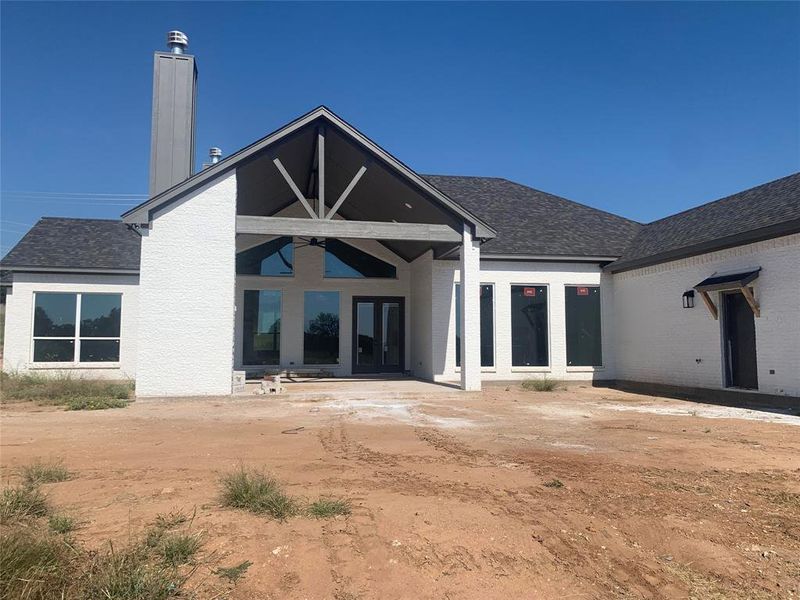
[688,299]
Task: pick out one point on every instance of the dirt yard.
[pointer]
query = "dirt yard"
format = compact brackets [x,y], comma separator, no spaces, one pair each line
[454,495]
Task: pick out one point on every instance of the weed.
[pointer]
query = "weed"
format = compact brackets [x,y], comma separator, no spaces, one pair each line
[254,491]
[554,483]
[22,502]
[62,524]
[130,574]
[325,508]
[44,472]
[35,565]
[91,403]
[64,390]
[539,385]
[170,520]
[177,549]
[233,574]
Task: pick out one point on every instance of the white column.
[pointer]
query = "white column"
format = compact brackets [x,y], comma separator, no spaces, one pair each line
[470,312]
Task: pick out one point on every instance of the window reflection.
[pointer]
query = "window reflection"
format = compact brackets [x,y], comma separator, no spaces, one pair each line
[321,337]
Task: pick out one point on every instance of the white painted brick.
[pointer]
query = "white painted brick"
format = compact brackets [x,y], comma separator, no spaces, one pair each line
[187,295]
[18,343]
[659,341]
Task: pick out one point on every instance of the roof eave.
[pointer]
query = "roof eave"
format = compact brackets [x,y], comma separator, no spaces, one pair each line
[739,239]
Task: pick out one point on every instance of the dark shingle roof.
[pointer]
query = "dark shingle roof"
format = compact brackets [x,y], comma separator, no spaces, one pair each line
[62,243]
[769,210]
[532,222]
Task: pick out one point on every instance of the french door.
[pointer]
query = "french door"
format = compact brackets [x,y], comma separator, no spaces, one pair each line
[378,334]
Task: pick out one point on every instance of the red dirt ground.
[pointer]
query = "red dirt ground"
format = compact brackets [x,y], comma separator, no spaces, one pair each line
[660,498]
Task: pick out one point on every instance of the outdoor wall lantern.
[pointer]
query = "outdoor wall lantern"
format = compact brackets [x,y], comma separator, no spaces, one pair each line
[688,299]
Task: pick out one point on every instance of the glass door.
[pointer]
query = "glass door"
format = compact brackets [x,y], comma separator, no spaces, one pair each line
[378,334]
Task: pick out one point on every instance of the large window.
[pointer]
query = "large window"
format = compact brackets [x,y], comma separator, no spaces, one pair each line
[487,325]
[274,258]
[584,347]
[344,260]
[529,339]
[262,327]
[321,336]
[71,327]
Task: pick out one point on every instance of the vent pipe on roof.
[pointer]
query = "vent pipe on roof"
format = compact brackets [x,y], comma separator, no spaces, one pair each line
[214,153]
[177,42]
[174,95]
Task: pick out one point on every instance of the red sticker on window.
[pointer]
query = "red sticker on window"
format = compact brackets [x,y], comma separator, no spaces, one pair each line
[583,291]
[529,292]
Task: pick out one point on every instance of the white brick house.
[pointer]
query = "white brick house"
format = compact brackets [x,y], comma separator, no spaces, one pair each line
[314,249]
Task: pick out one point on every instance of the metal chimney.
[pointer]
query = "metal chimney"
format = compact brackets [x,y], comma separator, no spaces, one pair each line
[174,96]
[214,153]
[177,42]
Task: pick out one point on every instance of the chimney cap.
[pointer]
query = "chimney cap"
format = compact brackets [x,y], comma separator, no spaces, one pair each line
[214,151]
[177,41]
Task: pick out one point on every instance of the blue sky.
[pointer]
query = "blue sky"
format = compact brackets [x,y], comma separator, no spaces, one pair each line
[642,109]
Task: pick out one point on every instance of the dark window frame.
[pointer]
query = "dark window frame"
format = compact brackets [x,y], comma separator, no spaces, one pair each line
[245,355]
[78,338]
[599,296]
[251,258]
[547,329]
[457,332]
[306,333]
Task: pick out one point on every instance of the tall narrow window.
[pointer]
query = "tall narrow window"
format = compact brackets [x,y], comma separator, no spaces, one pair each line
[274,258]
[344,260]
[487,325]
[54,327]
[529,339]
[321,337]
[262,327]
[100,327]
[584,346]
[76,328]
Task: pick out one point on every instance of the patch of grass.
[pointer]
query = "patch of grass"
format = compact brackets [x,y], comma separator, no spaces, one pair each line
[22,502]
[94,403]
[62,524]
[35,565]
[325,508]
[177,549]
[64,390]
[256,492]
[130,574]
[539,385]
[44,472]
[235,573]
[554,483]
[170,520]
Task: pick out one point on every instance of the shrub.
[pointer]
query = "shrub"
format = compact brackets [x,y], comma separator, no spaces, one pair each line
[254,491]
[177,549]
[539,385]
[554,483]
[94,403]
[325,508]
[44,472]
[22,502]
[130,574]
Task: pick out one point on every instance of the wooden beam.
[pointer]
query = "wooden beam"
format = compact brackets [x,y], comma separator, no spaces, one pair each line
[712,308]
[346,192]
[321,172]
[295,189]
[748,295]
[339,228]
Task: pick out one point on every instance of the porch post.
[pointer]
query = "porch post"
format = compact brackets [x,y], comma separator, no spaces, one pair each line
[470,312]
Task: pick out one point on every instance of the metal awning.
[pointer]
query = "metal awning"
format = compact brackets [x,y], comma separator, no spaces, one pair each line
[737,282]
[732,281]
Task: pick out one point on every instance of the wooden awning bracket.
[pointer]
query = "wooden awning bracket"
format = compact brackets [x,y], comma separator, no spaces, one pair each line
[747,292]
[712,308]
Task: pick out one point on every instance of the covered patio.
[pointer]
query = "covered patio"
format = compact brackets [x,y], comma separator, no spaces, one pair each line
[335,243]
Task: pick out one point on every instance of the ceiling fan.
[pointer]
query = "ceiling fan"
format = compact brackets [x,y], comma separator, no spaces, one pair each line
[316,242]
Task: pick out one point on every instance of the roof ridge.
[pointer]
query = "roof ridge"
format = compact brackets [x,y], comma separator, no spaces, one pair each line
[739,193]
[79,219]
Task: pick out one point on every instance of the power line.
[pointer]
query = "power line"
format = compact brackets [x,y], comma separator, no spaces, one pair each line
[104,195]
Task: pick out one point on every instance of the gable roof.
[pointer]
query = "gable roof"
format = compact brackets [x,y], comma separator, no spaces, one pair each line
[77,245]
[765,211]
[143,212]
[535,223]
